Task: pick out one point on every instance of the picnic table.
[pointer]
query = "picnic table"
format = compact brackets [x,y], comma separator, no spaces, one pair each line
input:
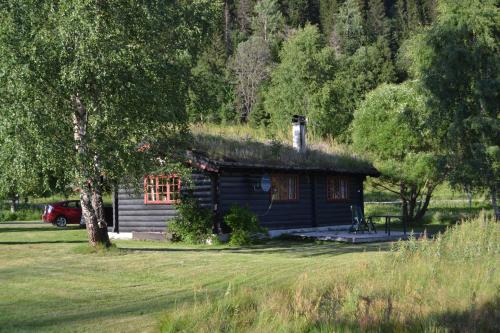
[388,218]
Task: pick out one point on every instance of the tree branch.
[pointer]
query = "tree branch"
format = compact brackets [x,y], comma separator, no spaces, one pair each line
[386,188]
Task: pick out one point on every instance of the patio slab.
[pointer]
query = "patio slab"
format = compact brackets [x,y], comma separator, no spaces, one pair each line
[347,237]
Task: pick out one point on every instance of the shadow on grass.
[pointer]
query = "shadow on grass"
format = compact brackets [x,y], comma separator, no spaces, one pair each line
[42,242]
[4,229]
[430,229]
[482,318]
[301,249]
[84,313]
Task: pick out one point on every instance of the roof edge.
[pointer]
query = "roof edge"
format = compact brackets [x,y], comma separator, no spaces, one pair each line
[203,162]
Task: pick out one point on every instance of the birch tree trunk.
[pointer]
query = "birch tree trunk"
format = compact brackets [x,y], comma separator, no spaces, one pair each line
[98,206]
[90,193]
[89,216]
[13,206]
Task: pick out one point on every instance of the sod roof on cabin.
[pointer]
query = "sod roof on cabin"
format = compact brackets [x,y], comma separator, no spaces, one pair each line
[215,149]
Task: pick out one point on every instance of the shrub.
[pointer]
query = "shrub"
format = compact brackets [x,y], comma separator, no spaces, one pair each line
[244,225]
[193,224]
[8,216]
[21,215]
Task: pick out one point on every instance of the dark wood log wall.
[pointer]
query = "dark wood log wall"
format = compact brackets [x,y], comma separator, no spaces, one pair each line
[134,215]
[242,188]
[336,212]
[312,209]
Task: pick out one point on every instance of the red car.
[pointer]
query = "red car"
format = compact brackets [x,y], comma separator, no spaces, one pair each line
[62,213]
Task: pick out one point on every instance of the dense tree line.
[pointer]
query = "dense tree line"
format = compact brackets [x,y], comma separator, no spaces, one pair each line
[242,65]
[333,59]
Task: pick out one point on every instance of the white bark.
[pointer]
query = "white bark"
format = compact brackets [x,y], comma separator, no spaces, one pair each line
[90,192]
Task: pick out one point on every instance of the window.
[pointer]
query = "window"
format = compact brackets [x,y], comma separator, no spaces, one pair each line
[338,188]
[285,187]
[161,189]
[73,204]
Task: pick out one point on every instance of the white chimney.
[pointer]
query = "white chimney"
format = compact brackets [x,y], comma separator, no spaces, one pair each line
[299,133]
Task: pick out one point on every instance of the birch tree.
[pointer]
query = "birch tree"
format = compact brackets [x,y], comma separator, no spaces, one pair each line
[268,20]
[251,65]
[93,79]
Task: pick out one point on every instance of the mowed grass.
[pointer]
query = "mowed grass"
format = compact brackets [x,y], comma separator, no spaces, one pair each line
[50,284]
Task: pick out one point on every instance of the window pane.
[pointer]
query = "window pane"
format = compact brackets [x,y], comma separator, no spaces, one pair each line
[151,188]
[284,187]
[161,189]
[338,188]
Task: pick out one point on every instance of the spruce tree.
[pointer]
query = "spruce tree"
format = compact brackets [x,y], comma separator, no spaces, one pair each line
[377,22]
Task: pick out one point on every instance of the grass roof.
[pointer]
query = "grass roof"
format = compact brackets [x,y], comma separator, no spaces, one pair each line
[243,145]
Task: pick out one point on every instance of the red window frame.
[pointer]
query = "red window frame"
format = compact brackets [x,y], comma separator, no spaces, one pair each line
[164,189]
[281,192]
[338,188]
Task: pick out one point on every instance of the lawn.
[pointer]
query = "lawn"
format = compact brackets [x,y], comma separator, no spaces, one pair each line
[50,284]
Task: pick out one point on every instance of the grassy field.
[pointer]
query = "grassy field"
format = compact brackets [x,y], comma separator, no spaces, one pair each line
[449,284]
[49,284]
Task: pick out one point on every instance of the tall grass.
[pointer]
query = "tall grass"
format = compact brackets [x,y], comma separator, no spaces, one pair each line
[441,212]
[447,284]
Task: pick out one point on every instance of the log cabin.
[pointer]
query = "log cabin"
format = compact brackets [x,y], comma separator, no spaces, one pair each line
[287,187]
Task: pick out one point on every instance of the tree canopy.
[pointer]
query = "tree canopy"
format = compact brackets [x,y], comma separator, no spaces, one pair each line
[112,76]
[300,83]
[391,126]
[457,59]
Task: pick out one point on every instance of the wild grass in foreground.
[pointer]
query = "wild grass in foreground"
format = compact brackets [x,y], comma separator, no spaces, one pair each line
[449,284]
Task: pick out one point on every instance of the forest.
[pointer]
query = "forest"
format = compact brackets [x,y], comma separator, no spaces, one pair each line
[325,54]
